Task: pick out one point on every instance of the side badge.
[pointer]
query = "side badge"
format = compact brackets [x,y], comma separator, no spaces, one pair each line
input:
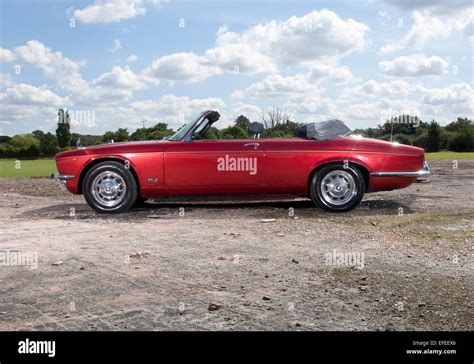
[152,179]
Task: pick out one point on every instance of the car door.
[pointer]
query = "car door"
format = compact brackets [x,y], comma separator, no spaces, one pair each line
[213,163]
[288,162]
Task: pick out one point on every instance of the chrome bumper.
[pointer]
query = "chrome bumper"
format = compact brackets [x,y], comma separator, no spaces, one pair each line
[425,172]
[62,177]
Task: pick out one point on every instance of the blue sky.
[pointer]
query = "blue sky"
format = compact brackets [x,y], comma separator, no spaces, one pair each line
[116,63]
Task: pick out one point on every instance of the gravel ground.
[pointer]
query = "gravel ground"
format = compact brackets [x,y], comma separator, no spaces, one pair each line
[240,265]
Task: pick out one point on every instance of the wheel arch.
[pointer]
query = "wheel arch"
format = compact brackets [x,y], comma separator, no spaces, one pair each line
[360,166]
[96,161]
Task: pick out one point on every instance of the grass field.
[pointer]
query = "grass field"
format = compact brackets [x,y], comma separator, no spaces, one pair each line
[27,168]
[448,155]
[44,167]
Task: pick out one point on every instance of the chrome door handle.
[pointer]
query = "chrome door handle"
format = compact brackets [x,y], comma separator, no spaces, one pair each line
[254,145]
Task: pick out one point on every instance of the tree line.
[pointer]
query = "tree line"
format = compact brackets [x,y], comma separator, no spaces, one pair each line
[456,136]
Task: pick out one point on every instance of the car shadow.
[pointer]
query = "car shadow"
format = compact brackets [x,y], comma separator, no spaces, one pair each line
[224,209]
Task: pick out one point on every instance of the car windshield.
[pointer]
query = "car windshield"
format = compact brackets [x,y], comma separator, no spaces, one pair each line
[184,130]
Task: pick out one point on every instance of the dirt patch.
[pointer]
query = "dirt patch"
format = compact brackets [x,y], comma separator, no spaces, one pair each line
[401,261]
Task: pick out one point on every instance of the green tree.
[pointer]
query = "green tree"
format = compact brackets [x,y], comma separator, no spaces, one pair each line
[63,132]
[234,132]
[160,131]
[433,137]
[26,145]
[463,139]
[156,132]
[108,136]
[121,135]
[213,133]
[242,122]
[48,143]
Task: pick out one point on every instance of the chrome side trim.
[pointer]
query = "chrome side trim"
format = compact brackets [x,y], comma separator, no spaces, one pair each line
[62,177]
[425,172]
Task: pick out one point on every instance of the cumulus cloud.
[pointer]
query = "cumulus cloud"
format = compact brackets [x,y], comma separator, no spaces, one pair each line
[428,26]
[323,107]
[117,45]
[175,110]
[414,66]
[187,67]
[6,56]
[454,94]
[374,88]
[113,87]
[277,85]
[321,71]
[381,110]
[110,11]
[253,112]
[54,65]
[120,78]
[6,80]
[319,36]
[131,58]
[24,94]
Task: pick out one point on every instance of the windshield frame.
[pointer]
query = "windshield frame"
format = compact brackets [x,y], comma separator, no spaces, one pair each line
[184,131]
[190,128]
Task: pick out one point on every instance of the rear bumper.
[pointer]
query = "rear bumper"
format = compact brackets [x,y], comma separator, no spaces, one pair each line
[424,172]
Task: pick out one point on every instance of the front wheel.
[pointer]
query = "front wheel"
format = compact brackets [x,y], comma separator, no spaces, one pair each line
[337,187]
[109,187]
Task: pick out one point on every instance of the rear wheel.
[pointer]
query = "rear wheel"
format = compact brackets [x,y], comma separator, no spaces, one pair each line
[109,187]
[337,187]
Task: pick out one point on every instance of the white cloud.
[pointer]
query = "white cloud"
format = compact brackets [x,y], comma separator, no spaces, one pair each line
[175,110]
[319,36]
[187,67]
[454,94]
[67,75]
[6,80]
[110,11]
[23,94]
[132,58]
[427,26]
[320,71]
[374,88]
[11,114]
[414,65]
[120,78]
[6,56]
[280,86]
[65,71]
[117,45]
[253,112]
[323,107]
[381,110]
[315,36]
[235,54]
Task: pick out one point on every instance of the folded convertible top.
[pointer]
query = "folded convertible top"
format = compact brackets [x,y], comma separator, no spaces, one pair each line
[329,129]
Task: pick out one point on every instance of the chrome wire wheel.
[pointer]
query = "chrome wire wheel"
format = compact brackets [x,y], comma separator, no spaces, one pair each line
[108,188]
[338,188]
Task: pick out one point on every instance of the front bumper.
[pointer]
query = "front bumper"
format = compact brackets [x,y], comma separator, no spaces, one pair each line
[425,172]
[62,177]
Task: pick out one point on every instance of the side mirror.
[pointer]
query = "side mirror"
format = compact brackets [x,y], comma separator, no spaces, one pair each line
[255,128]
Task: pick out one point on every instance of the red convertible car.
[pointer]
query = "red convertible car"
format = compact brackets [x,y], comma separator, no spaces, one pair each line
[334,173]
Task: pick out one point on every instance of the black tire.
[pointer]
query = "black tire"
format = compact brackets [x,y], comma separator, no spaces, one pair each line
[115,177]
[351,180]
